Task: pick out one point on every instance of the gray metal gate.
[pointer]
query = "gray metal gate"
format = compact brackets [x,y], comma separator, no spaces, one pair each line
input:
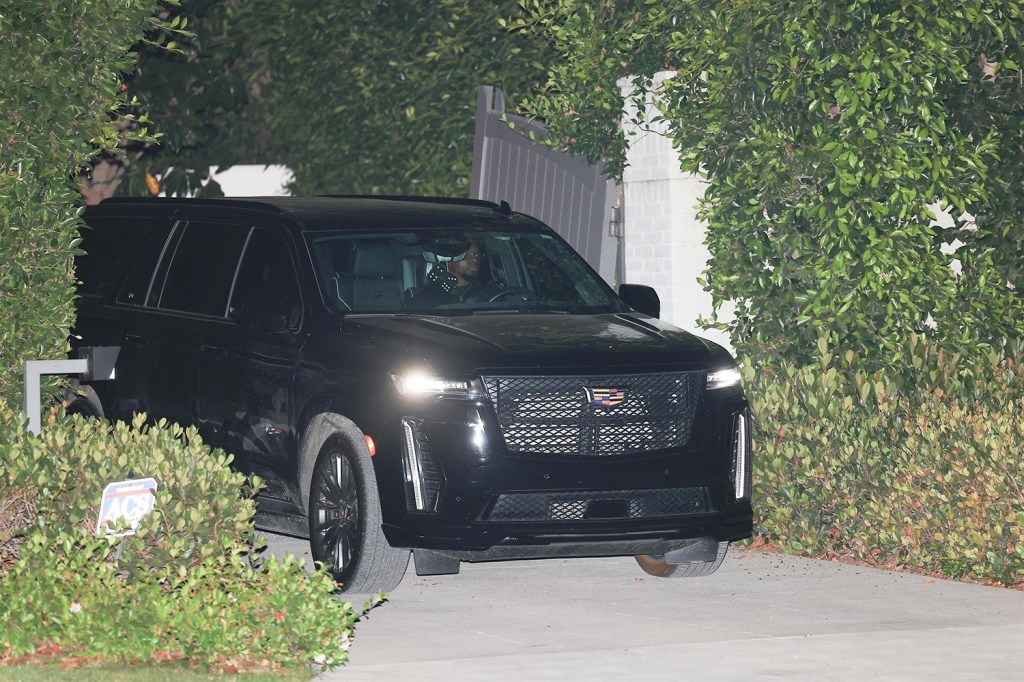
[571,195]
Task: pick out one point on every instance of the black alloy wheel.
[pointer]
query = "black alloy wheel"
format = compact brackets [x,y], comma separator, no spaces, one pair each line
[336,520]
[343,505]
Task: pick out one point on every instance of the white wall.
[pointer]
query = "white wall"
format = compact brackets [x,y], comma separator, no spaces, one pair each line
[664,240]
[253,181]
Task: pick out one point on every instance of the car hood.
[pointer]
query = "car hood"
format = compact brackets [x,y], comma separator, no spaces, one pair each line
[528,342]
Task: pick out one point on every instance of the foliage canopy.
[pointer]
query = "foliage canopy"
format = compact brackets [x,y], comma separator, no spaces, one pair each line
[355,96]
[195,95]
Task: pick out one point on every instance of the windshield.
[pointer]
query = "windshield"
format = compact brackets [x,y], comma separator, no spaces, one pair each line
[455,271]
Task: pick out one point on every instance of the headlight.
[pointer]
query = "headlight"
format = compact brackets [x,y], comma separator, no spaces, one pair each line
[426,385]
[723,378]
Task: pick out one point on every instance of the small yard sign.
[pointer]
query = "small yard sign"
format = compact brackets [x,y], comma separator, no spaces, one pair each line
[125,501]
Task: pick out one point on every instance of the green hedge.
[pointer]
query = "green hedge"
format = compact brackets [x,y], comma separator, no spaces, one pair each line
[189,585]
[61,66]
[200,510]
[921,470]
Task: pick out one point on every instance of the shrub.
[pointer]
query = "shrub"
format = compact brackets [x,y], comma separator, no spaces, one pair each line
[827,132]
[918,470]
[188,585]
[69,600]
[57,481]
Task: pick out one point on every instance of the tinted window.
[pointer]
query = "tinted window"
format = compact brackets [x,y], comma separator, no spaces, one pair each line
[455,271]
[547,278]
[115,247]
[266,278]
[202,268]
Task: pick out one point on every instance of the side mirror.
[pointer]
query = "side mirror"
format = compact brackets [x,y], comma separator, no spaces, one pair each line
[641,298]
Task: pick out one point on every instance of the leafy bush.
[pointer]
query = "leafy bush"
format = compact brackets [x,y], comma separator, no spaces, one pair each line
[60,73]
[58,477]
[67,599]
[188,585]
[827,131]
[918,470]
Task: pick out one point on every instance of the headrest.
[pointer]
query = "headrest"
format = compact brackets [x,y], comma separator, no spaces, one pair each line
[375,260]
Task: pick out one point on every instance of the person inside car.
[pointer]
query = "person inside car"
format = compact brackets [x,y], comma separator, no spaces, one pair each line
[452,280]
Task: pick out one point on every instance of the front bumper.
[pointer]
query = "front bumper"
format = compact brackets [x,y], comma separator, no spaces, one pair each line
[476,501]
[470,543]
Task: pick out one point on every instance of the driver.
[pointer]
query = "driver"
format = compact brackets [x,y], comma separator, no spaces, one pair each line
[465,271]
[454,281]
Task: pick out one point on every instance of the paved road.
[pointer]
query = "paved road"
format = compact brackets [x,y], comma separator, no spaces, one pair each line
[760,617]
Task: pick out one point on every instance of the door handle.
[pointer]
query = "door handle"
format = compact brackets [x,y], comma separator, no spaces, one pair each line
[215,351]
[136,339]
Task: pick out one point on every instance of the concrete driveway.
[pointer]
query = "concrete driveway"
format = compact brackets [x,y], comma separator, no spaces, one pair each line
[760,617]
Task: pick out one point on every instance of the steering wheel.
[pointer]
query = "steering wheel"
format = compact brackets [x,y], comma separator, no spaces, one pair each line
[524,293]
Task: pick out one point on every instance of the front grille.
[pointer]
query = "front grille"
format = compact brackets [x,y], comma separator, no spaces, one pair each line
[583,415]
[599,505]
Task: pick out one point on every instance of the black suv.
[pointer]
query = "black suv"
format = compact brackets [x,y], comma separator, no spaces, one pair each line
[446,376]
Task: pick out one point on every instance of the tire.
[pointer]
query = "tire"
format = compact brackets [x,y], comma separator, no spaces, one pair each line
[82,400]
[344,510]
[655,564]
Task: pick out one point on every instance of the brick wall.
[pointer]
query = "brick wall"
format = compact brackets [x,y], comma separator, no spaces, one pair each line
[664,240]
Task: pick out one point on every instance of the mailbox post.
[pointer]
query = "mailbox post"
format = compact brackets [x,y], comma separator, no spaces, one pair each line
[94,363]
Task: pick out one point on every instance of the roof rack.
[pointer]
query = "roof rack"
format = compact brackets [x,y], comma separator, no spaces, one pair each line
[238,202]
[268,203]
[504,208]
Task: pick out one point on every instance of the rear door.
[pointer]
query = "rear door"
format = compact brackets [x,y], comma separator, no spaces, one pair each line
[120,254]
[248,362]
[164,339]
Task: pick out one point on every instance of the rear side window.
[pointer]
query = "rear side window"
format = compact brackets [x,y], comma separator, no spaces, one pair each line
[202,269]
[116,248]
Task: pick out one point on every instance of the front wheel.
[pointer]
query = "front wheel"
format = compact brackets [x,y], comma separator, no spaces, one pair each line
[655,564]
[344,517]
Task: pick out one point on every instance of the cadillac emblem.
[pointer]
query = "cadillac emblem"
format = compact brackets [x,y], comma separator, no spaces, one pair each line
[605,397]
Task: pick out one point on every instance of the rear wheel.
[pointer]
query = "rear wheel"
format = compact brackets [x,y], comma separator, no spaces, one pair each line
[344,516]
[655,564]
[82,400]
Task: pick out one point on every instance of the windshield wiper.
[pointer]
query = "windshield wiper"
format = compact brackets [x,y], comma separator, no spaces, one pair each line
[397,313]
[520,311]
